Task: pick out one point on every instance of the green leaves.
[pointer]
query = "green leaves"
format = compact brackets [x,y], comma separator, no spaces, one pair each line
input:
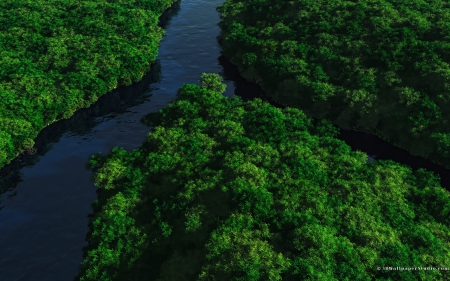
[193,220]
[15,126]
[249,58]
[6,146]
[443,143]
[212,82]
[73,50]
[237,249]
[265,122]
[408,95]
[28,144]
[259,194]
[112,169]
[352,63]
[428,115]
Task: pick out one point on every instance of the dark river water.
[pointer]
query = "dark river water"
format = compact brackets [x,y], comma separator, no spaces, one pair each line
[46,197]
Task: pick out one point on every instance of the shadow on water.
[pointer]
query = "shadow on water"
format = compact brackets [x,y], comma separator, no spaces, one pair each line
[165,18]
[81,123]
[84,120]
[375,147]
[28,225]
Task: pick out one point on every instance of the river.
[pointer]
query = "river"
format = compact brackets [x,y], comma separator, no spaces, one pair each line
[44,213]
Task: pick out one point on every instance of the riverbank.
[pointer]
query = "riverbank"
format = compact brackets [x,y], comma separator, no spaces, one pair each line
[366,142]
[218,175]
[355,74]
[59,57]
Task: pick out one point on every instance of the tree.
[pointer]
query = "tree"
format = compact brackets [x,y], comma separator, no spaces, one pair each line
[369,62]
[212,82]
[73,50]
[222,200]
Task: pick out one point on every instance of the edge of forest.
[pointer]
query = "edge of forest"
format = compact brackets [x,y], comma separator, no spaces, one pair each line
[60,57]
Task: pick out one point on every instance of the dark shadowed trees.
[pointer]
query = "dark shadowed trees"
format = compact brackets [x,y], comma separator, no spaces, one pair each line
[380,66]
[224,189]
[60,56]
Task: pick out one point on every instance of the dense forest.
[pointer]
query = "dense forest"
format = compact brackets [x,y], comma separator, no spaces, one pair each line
[226,189]
[231,190]
[60,56]
[381,66]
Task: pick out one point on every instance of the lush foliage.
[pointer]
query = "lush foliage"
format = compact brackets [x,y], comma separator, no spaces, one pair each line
[224,189]
[59,56]
[381,66]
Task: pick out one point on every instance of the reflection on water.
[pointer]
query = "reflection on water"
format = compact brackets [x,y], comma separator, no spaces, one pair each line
[43,225]
[81,124]
[375,147]
[371,158]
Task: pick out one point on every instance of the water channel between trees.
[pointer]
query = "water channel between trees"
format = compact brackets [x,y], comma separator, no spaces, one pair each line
[44,213]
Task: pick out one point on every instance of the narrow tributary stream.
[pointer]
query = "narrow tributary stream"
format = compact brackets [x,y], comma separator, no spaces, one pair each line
[44,216]
[375,147]
[43,222]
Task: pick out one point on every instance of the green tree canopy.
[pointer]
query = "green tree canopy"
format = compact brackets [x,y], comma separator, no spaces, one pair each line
[60,56]
[381,66]
[224,189]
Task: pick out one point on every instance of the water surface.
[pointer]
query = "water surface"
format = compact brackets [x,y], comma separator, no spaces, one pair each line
[44,218]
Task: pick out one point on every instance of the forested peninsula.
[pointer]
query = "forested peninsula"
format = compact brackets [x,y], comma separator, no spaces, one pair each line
[59,56]
[381,66]
[225,189]
[230,190]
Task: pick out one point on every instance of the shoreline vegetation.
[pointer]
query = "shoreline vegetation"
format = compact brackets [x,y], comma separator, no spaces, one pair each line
[58,57]
[225,189]
[381,67]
